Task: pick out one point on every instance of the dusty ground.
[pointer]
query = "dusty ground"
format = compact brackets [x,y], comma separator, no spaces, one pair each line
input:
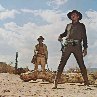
[12,86]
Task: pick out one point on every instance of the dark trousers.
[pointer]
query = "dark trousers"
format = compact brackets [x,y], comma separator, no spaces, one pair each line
[77,51]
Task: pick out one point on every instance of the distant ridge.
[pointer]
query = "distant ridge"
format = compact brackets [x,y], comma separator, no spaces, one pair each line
[92,70]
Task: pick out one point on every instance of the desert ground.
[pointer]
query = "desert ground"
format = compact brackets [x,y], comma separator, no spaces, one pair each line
[12,86]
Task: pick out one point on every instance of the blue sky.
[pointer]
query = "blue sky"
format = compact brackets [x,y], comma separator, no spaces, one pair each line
[23,21]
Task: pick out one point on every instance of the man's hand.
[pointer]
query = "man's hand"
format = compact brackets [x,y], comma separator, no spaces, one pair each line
[60,39]
[46,60]
[84,52]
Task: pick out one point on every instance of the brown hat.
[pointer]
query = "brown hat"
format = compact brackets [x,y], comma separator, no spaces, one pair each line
[74,11]
[40,37]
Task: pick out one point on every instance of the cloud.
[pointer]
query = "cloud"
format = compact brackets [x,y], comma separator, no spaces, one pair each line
[50,16]
[92,61]
[91,19]
[56,3]
[55,22]
[28,10]
[8,14]
[91,26]
[1,8]
[23,38]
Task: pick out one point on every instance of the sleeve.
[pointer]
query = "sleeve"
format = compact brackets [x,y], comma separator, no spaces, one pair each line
[64,34]
[46,52]
[84,37]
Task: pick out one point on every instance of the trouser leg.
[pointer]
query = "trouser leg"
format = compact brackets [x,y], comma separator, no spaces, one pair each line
[79,57]
[84,74]
[36,67]
[63,61]
[43,64]
[35,71]
[43,68]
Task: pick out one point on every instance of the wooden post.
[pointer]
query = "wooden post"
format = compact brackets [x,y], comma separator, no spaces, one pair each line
[16,63]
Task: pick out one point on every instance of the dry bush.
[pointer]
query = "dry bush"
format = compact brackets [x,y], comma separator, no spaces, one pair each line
[74,70]
[5,68]
[21,70]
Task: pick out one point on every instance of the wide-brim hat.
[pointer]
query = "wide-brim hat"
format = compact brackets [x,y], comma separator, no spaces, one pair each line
[40,37]
[75,11]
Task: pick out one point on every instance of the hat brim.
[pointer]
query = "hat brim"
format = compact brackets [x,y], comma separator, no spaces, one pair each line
[74,11]
[40,39]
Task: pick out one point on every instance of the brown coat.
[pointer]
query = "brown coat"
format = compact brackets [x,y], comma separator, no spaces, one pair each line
[77,32]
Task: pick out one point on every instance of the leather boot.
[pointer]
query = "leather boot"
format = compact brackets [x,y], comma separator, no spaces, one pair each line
[57,79]
[85,77]
[35,75]
[86,82]
[44,76]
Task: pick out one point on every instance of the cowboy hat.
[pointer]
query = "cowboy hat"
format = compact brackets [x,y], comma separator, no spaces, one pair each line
[40,37]
[75,11]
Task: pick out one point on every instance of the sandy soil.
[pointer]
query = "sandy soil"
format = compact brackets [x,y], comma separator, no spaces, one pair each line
[12,86]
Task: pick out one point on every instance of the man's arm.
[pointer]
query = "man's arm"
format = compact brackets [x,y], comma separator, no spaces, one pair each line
[84,38]
[34,56]
[62,35]
[46,53]
[84,41]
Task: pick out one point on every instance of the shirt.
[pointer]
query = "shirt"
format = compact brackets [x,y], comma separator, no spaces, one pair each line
[41,50]
[76,31]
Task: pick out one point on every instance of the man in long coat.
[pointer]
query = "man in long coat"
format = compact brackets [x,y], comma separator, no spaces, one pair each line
[75,34]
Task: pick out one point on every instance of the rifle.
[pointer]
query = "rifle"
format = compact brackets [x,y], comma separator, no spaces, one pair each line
[34,59]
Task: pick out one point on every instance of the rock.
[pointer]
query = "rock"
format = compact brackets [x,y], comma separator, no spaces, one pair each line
[47,76]
[50,77]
